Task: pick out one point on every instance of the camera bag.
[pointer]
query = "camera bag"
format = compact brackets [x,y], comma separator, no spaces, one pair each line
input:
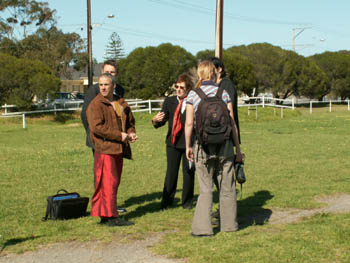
[65,206]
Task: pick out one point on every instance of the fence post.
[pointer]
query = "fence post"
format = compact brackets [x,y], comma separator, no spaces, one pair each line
[149,106]
[54,107]
[263,102]
[24,121]
[248,111]
[310,106]
[282,113]
[256,112]
[330,106]
[5,108]
[292,103]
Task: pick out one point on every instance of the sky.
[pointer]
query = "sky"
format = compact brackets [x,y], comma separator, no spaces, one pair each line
[318,25]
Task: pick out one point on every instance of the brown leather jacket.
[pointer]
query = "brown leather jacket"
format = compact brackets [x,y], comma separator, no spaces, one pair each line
[106,126]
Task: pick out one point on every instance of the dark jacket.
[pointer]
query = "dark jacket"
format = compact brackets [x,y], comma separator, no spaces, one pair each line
[106,127]
[92,92]
[228,85]
[169,107]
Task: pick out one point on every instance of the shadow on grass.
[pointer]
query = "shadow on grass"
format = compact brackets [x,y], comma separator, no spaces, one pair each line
[152,207]
[15,241]
[251,211]
[143,209]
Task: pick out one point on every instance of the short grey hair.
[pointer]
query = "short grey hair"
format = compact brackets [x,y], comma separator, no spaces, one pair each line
[108,75]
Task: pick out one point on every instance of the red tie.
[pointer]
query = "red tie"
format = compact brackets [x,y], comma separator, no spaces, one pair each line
[177,126]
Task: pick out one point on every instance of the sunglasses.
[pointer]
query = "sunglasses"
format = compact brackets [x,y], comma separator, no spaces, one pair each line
[179,87]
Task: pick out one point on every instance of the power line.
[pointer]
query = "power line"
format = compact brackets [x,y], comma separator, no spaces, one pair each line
[200,9]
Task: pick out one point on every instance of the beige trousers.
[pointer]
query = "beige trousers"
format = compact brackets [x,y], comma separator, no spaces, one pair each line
[206,169]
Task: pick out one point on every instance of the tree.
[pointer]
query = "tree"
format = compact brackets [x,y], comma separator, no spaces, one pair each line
[149,72]
[337,67]
[53,47]
[22,79]
[24,17]
[114,49]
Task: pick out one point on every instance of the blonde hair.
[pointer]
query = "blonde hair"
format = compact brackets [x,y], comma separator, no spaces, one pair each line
[205,71]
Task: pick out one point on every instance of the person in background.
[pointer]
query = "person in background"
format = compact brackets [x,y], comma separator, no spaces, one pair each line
[173,112]
[212,160]
[111,129]
[109,66]
[224,81]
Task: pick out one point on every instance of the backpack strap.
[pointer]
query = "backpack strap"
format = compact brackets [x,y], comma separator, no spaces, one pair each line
[219,93]
[200,93]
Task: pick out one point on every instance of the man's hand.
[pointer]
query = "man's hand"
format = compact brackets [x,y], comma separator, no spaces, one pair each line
[133,137]
[159,117]
[125,137]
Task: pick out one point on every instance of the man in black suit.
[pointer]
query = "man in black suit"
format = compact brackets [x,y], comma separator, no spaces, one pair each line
[173,111]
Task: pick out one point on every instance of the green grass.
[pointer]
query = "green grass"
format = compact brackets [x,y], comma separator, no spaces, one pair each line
[289,162]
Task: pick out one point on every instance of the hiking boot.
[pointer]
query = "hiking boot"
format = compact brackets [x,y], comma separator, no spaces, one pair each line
[117,221]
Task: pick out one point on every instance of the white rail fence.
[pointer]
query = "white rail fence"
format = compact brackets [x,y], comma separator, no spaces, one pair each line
[252,104]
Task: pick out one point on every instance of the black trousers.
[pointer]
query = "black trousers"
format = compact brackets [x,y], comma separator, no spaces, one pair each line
[173,163]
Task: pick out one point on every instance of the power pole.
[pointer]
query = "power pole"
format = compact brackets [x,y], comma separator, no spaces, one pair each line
[219,28]
[294,36]
[89,28]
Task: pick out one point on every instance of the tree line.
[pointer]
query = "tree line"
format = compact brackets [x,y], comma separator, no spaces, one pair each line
[34,54]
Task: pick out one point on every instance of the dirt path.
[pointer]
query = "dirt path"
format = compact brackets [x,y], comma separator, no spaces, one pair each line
[95,252]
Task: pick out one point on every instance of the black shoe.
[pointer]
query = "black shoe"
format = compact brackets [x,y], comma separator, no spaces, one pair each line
[121,210]
[117,221]
[104,220]
[194,235]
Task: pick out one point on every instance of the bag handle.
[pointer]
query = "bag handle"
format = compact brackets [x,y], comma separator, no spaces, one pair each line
[62,190]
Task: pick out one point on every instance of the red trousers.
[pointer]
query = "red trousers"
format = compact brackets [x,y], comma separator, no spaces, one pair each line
[108,170]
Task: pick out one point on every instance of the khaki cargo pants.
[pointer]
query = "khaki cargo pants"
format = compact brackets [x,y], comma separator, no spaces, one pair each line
[206,169]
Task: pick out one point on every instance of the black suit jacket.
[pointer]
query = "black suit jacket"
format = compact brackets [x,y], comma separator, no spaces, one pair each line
[92,92]
[169,107]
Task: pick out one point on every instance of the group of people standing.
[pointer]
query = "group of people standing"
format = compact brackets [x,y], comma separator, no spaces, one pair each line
[110,127]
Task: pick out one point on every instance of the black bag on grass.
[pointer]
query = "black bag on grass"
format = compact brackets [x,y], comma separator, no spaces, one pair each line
[65,206]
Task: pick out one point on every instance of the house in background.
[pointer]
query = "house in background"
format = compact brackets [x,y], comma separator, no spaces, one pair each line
[78,81]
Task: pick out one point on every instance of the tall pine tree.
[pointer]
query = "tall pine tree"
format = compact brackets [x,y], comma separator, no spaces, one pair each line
[114,49]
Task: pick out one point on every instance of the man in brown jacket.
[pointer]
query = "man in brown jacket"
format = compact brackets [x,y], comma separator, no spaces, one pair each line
[112,127]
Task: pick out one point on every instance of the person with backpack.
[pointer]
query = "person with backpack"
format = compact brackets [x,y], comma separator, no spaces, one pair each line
[209,112]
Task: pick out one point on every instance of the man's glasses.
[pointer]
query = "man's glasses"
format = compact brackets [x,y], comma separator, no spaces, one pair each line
[180,87]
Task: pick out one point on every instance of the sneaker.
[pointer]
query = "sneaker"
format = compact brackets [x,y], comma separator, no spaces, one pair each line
[117,221]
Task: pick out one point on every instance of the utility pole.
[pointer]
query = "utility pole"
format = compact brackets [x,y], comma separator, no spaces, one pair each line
[219,28]
[294,36]
[89,28]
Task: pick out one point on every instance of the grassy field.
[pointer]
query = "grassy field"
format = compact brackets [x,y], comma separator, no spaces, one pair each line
[289,162]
